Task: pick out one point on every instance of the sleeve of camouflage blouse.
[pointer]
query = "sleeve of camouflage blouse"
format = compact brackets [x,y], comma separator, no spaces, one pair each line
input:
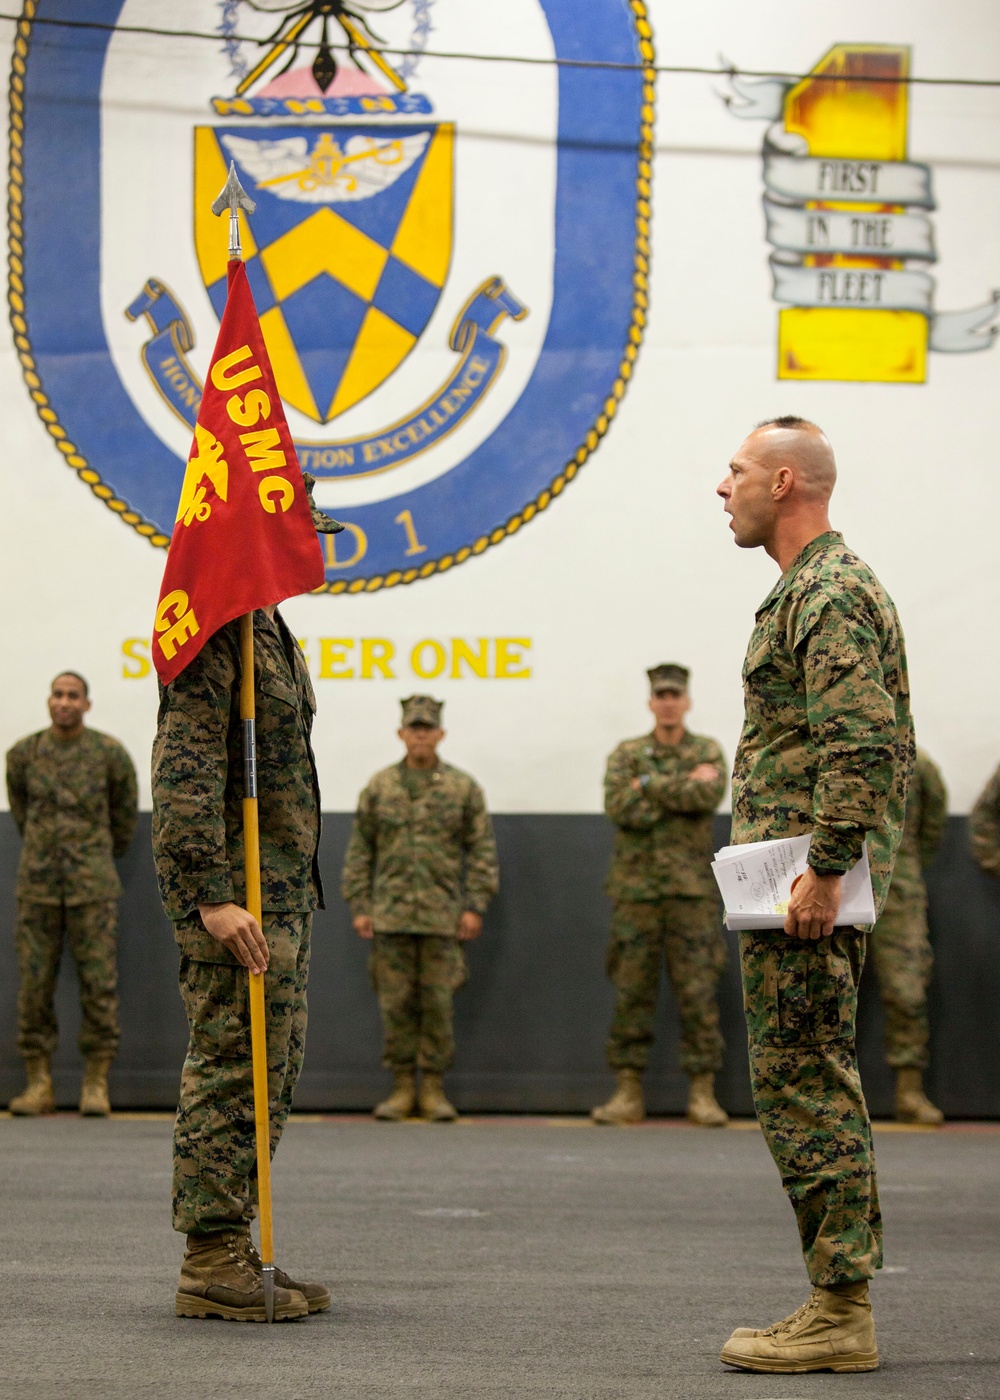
[482,871]
[933,811]
[625,805]
[852,721]
[680,794]
[190,769]
[984,827]
[17,787]
[123,800]
[359,861]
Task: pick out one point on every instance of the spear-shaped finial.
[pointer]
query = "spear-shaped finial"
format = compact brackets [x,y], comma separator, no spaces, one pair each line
[233,197]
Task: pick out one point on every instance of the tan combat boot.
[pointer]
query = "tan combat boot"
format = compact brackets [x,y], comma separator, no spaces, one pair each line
[37,1098]
[218,1280]
[832,1331]
[317,1295]
[775,1326]
[94,1101]
[403,1099]
[703,1108]
[433,1103]
[912,1104]
[625,1104]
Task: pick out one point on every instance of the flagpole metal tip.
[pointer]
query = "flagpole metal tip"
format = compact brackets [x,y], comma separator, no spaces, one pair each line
[233,197]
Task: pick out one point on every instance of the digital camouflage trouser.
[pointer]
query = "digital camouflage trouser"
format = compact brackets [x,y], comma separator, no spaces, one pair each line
[215,1152]
[901,949]
[801,1000]
[415,976]
[687,933]
[91,932]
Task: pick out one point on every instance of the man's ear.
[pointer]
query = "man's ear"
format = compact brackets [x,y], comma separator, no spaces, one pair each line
[784,480]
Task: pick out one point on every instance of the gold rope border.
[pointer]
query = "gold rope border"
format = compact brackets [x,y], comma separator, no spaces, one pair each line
[105,493]
[15,295]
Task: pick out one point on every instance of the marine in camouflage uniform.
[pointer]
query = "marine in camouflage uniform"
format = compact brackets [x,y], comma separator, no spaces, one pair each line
[984,827]
[72,793]
[198,850]
[419,873]
[827,749]
[660,791]
[901,945]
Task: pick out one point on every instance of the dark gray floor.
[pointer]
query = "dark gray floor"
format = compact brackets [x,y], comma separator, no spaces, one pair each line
[493,1260]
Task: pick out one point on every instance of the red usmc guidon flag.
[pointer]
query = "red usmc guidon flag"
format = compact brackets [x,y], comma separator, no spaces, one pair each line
[244,536]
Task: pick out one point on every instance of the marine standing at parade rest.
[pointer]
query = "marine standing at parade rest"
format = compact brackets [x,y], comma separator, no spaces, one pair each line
[984,827]
[72,794]
[419,873]
[827,749]
[660,791]
[198,849]
[901,944]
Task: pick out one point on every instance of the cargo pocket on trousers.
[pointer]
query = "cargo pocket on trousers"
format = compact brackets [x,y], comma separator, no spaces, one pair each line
[217,1002]
[815,992]
[759,965]
[373,968]
[456,964]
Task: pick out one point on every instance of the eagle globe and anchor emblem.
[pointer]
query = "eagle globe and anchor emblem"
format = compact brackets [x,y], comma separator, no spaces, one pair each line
[348,253]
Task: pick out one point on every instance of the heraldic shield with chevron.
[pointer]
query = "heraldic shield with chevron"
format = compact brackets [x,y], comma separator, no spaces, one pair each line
[349,250]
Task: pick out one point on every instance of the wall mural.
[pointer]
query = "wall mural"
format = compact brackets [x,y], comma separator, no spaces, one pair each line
[444,378]
[848,219]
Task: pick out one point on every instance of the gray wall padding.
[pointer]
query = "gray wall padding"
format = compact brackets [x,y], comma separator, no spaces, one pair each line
[531,1023]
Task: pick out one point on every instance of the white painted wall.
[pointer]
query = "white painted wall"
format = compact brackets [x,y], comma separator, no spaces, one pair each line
[634,564]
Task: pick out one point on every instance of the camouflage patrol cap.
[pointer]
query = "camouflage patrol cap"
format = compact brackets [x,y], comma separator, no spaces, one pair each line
[422,709]
[668,676]
[325,524]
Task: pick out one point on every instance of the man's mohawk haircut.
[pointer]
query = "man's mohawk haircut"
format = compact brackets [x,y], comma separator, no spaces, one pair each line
[787,420]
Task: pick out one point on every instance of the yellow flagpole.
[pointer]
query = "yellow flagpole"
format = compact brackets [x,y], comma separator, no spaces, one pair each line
[233,198]
[258,1014]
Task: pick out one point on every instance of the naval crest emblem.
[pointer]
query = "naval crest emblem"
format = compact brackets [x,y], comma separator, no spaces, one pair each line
[448,254]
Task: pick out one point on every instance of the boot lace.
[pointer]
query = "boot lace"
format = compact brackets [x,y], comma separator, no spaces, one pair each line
[799,1315]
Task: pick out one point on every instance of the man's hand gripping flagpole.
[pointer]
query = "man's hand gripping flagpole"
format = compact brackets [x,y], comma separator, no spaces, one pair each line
[234,198]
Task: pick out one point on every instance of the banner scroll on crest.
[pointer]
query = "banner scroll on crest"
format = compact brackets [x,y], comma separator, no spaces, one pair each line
[472,337]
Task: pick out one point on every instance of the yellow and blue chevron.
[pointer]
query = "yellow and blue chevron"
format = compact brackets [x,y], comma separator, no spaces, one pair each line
[344,286]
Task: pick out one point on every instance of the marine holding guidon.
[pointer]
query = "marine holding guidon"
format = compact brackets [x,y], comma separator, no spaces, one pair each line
[198,848]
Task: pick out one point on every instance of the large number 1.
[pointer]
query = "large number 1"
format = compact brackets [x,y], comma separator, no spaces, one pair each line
[405,519]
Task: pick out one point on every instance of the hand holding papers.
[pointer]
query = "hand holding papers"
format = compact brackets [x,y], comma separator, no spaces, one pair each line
[755,881]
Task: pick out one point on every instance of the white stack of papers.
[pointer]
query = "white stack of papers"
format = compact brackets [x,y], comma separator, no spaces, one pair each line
[755,881]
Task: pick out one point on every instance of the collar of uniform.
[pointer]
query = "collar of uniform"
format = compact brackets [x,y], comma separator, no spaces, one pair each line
[63,745]
[404,767]
[804,555]
[667,748]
